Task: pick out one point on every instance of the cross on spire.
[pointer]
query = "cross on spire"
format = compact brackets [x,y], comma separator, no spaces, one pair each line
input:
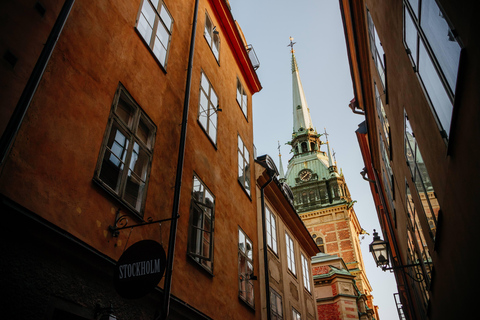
[291,45]
[326,134]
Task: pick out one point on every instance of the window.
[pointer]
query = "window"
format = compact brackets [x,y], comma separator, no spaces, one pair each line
[420,177]
[306,273]
[276,305]
[271,224]
[290,254]
[207,114]
[295,314]
[243,165]
[200,242]
[211,35]
[435,55]
[320,243]
[242,98]
[245,268]
[154,23]
[376,48]
[383,117]
[125,158]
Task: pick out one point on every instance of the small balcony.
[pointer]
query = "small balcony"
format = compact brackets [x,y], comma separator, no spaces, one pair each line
[253,57]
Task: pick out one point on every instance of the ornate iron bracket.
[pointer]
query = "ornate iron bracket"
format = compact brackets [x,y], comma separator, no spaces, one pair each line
[121,222]
[419,277]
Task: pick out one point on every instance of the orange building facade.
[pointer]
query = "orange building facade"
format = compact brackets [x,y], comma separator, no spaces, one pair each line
[101,142]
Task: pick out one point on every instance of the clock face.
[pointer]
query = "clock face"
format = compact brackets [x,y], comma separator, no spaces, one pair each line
[305,175]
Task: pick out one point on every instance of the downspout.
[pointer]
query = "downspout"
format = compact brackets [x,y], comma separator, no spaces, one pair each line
[18,114]
[178,181]
[265,249]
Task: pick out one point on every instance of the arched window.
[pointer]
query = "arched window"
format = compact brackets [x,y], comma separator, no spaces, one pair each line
[320,244]
[304,147]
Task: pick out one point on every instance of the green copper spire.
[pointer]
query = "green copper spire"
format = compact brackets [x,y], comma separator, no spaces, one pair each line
[301,114]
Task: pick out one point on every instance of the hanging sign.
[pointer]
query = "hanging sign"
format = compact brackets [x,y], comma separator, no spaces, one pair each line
[139,269]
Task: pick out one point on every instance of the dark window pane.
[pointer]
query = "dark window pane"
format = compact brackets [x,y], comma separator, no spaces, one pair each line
[436,91]
[445,48]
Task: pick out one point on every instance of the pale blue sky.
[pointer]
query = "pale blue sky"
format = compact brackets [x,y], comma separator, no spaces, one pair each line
[317,29]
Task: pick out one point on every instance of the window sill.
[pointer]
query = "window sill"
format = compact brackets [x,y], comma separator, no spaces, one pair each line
[244,190]
[244,302]
[200,266]
[125,205]
[208,136]
[151,52]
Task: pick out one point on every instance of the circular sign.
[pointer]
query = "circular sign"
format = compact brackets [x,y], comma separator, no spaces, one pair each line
[139,269]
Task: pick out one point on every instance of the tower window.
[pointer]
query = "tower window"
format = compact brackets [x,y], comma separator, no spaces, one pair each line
[320,244]
[304,147]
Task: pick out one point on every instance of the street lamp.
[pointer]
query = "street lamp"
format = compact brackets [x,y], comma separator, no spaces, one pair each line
[379,250]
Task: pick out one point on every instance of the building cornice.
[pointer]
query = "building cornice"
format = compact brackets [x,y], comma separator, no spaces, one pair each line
[236,43]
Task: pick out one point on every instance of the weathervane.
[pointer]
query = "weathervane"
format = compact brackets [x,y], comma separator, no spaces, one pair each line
[291,44]
[279,153]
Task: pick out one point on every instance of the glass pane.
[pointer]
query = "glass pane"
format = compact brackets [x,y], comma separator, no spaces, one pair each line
[166,18]
[414,5]
[249,250]
[154,3]
[162,35]
[136,177]
[134,191]
[143,132]
[204,83]
[144,28]
[148,12]
[434,87]
[160,51]
[213,99]
[139,162]
[212,130]
[124,111]
[441,40]
[411,35]
[241,241]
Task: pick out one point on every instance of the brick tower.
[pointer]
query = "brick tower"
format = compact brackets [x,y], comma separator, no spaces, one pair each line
[321,195]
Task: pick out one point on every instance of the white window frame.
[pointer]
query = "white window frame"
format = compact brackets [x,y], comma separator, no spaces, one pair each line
[211,34]
[290,254]
[244,166]
[306,273]
[242,98]
[276,305]
[245,268]
[295,314]
[271,225]
[154,23]
[201,225]
[207,108]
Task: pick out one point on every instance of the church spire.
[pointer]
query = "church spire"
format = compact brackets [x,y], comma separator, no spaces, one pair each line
[301,114]
[282,175]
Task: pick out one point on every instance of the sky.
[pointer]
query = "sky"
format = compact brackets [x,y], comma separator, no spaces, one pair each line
[320,50]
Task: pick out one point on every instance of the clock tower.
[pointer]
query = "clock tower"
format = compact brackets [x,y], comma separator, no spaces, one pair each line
[321,195]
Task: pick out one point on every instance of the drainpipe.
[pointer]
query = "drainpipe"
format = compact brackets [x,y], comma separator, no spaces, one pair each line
[265,250]
[31,87]
[178,181]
